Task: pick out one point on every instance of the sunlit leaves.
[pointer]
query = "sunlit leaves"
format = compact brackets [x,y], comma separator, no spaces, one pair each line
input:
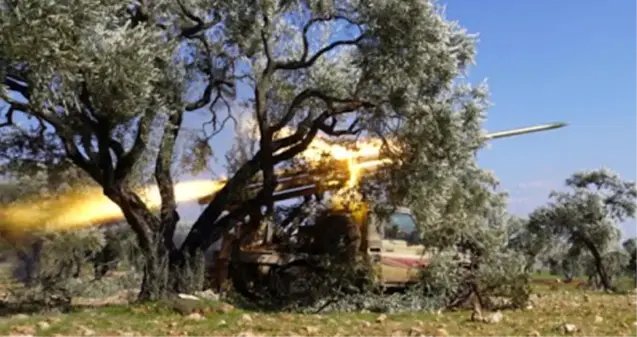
[70,50]
[195,159]
[587,216]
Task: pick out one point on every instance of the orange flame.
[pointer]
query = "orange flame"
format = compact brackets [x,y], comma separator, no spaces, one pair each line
[89,207]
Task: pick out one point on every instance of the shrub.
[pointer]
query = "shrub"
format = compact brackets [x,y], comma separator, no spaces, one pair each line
[52,277]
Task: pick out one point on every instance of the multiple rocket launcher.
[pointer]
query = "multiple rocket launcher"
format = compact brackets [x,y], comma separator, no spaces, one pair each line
[90,207]
[296,184]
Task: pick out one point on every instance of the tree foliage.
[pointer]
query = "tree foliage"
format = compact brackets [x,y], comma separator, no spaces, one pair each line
[108,86]
[587,216]
[630,247]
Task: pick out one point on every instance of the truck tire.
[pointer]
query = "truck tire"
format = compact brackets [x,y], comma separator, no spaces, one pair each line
[337,235]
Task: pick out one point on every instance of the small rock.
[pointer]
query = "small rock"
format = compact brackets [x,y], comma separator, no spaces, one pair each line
[587,298]
[188,297]
[366,324]
[415,332]
[43,325]
[22,330]
[441,333]
[599,319]
[495,317]
[287,317]
[529,307]
[86,331]
[569,328]
[20,316]
[225,308]
[207,294]
[381,318]
[222,323]
[534,333]
[246,318]
[195,316]
[249,334]
[245,334]
[365,311]
[311,330]
[397,333]
[183,306]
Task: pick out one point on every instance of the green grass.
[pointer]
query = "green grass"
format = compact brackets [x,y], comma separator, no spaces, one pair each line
[558,304]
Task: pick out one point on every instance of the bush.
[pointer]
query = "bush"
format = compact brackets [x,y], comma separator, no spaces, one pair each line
[55,268]
[497,280]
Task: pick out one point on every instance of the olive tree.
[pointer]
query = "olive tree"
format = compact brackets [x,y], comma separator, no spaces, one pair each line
[630,246]
[108,86]
[587,215]
[527,240]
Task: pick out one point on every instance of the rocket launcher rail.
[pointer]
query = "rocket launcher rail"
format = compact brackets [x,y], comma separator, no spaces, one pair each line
[299,182]
[294,183]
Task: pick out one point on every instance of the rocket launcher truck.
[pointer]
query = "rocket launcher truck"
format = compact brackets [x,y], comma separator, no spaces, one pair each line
[256,263]
[250,256]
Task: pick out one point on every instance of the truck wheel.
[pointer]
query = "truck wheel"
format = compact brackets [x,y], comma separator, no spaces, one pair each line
[245,280]
[297,282]
[338,236]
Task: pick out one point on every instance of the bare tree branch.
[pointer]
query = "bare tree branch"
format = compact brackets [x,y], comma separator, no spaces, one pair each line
[213,82]
[9,117]
[126,162]
[13,84]
[351,130]
[304,62]
[168,211]
[307,94]
[305,141]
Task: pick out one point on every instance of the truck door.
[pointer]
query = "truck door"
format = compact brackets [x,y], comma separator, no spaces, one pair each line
[401,254]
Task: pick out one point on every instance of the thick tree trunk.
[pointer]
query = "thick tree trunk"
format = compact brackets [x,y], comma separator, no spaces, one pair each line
[28,262]
[604,278]
[155,283]
[187,273]
[169,272]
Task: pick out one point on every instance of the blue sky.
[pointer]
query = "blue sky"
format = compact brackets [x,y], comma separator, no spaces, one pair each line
[546,61]
[565,60]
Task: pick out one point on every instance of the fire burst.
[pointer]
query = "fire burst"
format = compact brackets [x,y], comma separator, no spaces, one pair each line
[89,207]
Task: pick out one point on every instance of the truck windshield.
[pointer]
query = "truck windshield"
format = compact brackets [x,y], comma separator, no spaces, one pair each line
[401,226]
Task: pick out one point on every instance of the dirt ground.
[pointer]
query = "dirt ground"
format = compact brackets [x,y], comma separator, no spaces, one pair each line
[558,309]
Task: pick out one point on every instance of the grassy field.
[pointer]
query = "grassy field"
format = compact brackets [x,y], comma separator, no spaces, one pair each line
[590,313]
